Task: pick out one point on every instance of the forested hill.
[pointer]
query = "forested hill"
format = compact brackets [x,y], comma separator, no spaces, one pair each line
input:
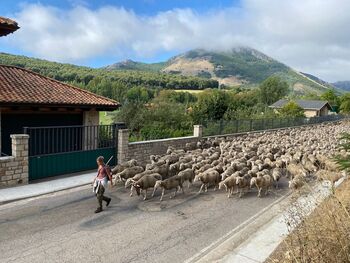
[241,66]
[113,84]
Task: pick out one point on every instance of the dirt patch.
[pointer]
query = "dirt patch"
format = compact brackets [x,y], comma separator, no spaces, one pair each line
[190,67]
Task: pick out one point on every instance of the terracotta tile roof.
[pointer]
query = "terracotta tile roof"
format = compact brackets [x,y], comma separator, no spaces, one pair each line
[7,26]
[22,86]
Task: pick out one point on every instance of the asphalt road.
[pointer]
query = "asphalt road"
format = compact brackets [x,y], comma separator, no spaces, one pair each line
[62,227]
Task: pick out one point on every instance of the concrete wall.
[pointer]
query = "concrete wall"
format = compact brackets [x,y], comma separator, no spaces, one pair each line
[141,151]
[14,169]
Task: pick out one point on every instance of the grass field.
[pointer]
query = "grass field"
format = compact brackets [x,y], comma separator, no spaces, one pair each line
[188,90]
[105,118]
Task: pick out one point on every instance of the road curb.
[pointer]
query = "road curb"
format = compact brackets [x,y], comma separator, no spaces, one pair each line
[224,247]
[200,255]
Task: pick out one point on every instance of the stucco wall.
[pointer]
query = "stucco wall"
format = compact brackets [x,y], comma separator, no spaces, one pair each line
[310,113]
[91,118]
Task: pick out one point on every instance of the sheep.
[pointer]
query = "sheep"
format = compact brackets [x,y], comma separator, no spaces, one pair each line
[187,175]
[184,166]
[228,172]
[173,169]
[243,183]
[295,169]
[168,184]
[121,167]
[163,169]
[145,182]
[127,173]
[276,175]
[129,182]
[229,183]
[203,168]
[297,182]
[207,178]
[328,176]
[262,182]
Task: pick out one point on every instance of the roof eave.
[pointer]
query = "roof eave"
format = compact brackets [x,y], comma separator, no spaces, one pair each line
[51,105]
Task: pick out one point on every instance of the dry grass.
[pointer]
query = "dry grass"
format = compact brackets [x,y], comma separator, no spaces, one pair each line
[323,236]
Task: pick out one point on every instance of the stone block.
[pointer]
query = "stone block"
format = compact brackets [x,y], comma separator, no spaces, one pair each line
[9,173]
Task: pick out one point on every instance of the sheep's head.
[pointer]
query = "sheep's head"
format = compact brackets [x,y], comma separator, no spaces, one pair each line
[157,184]
[117,178]
[198,178]
[239,180]
[252,182]
[129,182]
[137,188]
[222,184]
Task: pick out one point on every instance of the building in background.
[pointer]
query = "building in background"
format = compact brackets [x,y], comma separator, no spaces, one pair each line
[312,108]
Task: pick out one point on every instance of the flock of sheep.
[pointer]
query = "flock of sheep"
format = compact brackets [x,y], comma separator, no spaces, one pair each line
[255,160]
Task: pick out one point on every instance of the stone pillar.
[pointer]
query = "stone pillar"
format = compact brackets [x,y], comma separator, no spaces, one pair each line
[20,152]
[198,131]
[123,145]
[90,130]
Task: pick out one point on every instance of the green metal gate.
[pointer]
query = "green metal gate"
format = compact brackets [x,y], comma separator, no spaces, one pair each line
[69,149]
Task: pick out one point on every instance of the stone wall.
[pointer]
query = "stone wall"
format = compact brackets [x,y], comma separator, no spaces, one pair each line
[141,151]
[14,169]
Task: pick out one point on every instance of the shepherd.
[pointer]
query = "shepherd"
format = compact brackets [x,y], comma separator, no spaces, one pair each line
[100,183]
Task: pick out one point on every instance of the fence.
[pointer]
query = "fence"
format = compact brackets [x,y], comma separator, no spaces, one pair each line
[68,149]
[221,127]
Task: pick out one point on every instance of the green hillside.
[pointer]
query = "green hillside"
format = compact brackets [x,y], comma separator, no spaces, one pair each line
[110,83]
[242,66]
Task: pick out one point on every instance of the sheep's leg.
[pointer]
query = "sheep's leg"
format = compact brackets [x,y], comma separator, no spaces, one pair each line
[182,188]
[175,192]
[154,190]
[267,190]
[259,191]
[276,184]
[240,192]
[161,198]
[145,196]
[189,183]
[200,189]
[131,190]
[215,187]
[206,187]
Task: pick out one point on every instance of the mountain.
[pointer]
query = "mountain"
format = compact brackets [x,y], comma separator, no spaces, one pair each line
[344,85]
[133,65]
[241,66]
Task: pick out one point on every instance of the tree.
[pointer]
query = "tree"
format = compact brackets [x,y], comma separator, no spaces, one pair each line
[332,98]
[291,109]
[345,103]
[272,89]
[211,105]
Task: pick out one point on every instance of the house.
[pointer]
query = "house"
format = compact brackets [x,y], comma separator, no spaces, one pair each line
[28,99]
[312,108]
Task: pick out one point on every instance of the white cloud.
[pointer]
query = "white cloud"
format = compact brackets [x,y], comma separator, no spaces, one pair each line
[310,35]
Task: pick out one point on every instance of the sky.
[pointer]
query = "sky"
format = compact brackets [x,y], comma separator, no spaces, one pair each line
[312,36]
